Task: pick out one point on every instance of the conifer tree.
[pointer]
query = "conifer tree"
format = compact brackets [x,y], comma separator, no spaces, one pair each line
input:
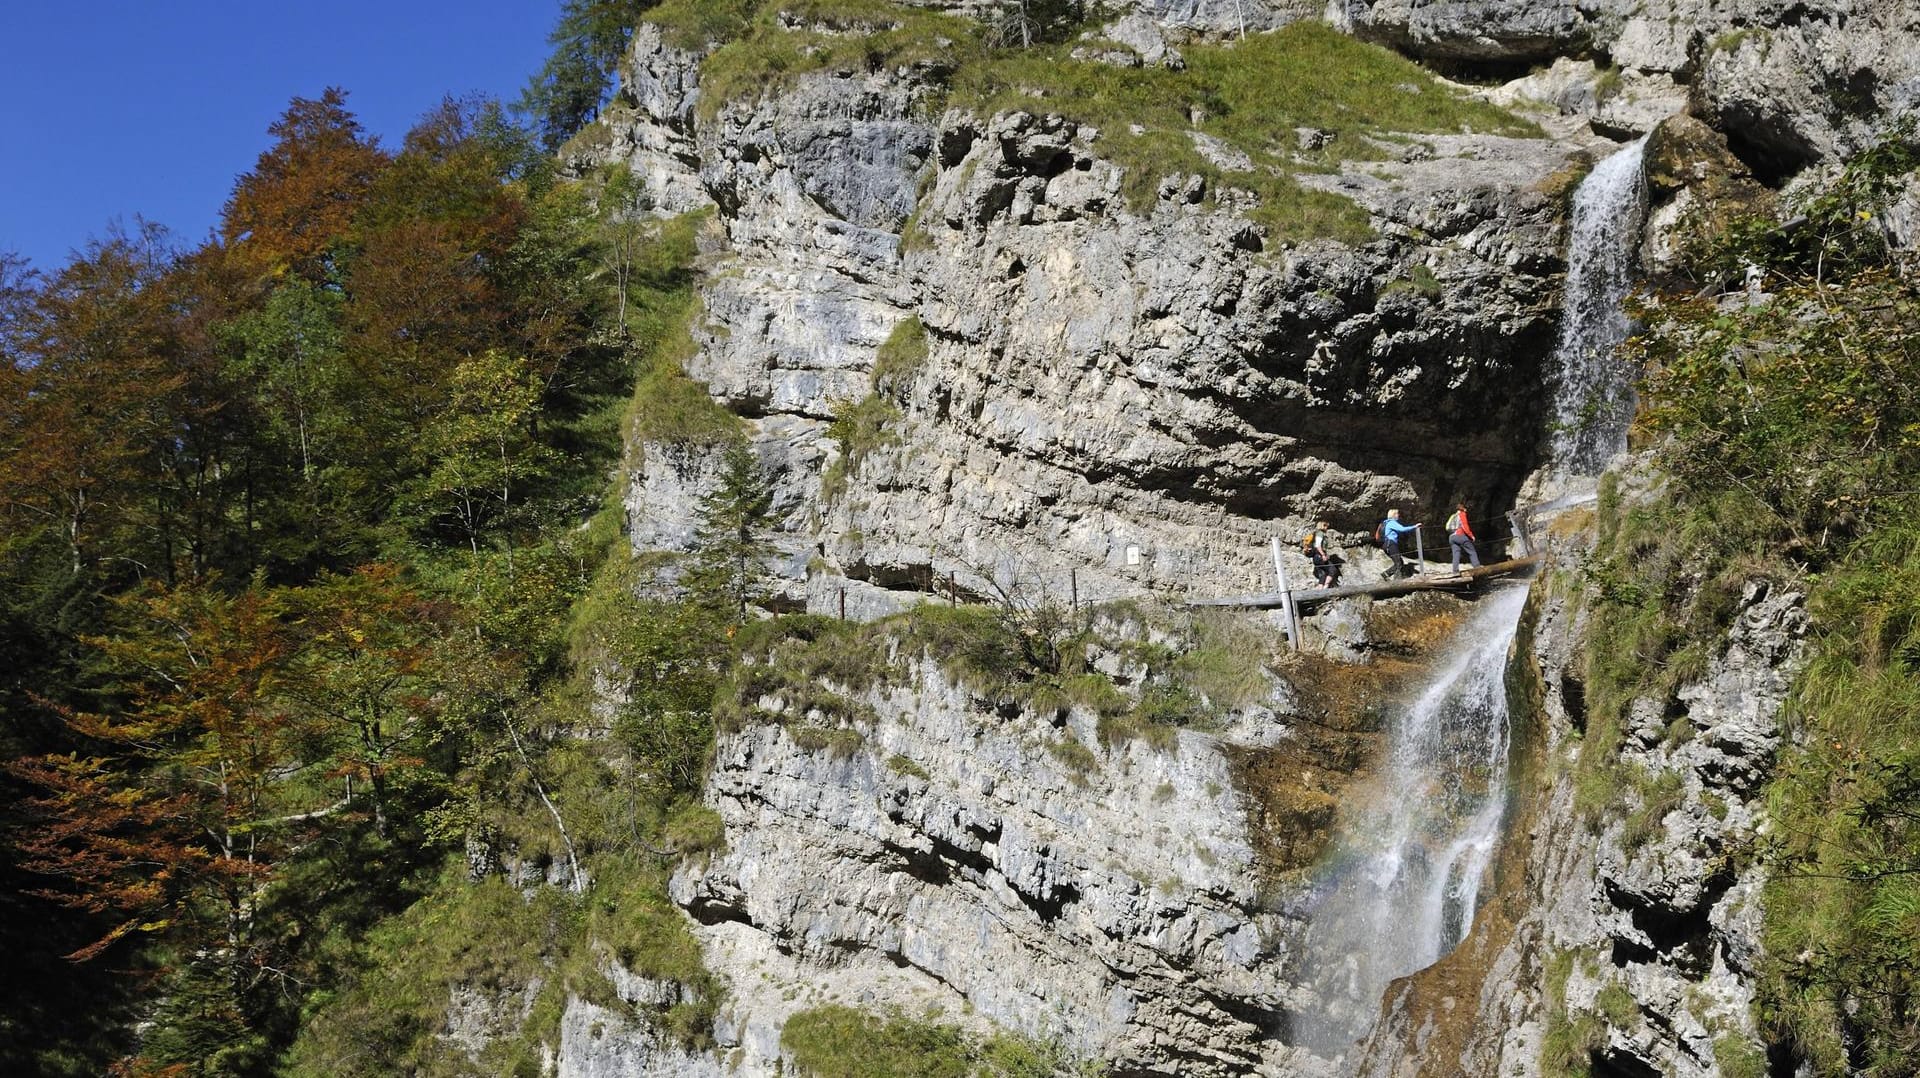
[587,43]
[729,567]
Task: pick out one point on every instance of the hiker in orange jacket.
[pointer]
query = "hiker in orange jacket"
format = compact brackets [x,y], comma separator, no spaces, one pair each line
[1460,537]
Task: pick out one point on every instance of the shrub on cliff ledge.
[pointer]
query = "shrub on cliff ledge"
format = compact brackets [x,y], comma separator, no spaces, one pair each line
[840,1042]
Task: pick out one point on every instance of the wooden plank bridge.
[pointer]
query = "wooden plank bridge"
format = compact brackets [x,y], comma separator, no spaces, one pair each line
[1438,580]
[1294,600]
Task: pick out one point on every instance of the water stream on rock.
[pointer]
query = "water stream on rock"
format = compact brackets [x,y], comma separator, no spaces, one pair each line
[1404,882]
[1403,885]
[1593,390]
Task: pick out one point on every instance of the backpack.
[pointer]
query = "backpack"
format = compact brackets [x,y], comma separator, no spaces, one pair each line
[1306,545]
[1453,523]
[1377,537]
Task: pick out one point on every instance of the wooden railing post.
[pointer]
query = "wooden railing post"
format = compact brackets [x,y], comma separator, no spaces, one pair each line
[1286,596]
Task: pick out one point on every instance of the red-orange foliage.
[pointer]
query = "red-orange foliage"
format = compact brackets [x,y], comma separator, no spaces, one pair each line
[303,193]
[174,824]
[84,409]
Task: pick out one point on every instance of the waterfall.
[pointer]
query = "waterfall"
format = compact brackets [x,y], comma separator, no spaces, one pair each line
[1402,887]
[1593,389]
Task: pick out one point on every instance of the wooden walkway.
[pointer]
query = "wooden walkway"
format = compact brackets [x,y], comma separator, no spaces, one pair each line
[1437,580]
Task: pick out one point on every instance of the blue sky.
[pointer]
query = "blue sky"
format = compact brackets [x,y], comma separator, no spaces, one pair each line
[108,110]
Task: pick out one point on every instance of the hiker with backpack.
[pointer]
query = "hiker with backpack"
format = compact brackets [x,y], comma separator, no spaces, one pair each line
[1388,534]
[1318,547]
[1460,537]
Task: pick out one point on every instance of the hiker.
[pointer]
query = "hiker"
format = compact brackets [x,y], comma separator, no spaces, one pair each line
[1460,537]
[1389,533]
[1326,565]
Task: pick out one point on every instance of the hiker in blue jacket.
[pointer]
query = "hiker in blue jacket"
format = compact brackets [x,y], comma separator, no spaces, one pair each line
[1389,533]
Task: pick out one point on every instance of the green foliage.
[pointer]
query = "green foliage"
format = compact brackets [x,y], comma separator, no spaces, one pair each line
[1843,904]
[1833,229]
[1250,94]
[839,742]
[729,570]
[672,655]
[901,765]
[488,940]
[1660,585]
[1419,280]
[695,829]
[1076,757]
[1790,429]
[1566,1049]
[696,25]
[1657,795]
[1739,1057]
[389,1011]
[1617,1005]
[782,41]
[840,1042]
[1804,404]
[668,407]
[483,448]
[860,429]
[900,356]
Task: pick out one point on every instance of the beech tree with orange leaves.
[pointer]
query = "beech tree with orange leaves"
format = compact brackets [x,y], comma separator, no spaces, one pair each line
[173,819]
[298,203]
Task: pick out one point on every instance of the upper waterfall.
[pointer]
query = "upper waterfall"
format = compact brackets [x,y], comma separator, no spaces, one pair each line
[1593,389]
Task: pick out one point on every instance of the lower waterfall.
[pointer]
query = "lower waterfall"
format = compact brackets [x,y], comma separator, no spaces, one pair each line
[1402,885]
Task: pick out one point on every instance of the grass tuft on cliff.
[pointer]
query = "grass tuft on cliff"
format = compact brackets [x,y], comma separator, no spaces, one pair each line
[840,1042]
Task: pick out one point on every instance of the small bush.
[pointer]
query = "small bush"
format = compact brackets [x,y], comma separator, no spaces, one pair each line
[1658,796]
[695,829]
[838,742]
[1073,755]
[901,765]
[900,356]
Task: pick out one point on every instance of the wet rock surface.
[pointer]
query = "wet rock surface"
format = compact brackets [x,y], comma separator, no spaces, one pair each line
[1653,905]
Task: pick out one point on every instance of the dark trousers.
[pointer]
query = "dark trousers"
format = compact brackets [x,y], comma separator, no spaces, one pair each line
[1326,572]
[1392,547]
[1460,542]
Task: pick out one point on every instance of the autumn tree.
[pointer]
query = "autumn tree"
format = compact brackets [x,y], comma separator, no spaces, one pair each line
[300,199]
[169,824]
[86,408]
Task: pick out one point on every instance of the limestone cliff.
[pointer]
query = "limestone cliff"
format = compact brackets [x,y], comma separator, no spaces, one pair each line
[1077,392]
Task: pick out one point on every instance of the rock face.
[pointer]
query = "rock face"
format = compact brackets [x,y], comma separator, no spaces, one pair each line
[1790,83]
[1004,866]
[1134,394]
